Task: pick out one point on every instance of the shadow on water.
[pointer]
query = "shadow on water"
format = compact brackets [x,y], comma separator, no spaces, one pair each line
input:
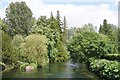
[55,70]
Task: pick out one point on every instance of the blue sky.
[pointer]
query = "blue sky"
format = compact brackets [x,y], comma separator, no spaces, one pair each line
[77,12]
[4,3]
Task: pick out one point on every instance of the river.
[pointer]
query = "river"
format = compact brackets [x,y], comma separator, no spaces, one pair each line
[55,70]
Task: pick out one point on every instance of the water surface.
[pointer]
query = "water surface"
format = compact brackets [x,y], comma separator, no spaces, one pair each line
[54,70]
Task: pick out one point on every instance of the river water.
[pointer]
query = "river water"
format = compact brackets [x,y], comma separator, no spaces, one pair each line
[55,70]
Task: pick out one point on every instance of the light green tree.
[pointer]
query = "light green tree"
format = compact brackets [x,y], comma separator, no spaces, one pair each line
[34,50]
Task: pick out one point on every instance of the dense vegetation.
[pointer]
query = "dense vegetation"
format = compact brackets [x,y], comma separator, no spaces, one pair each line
[100,51]
[36,42]
[89,44]
[109,70]
[29,40]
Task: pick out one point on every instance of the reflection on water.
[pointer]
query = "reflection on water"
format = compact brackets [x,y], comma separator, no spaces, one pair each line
[54,70]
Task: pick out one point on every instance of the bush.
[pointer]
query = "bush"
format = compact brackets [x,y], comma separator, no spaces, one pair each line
[23,66]
[105,68]
[34,49]
[34,65]
[112,57]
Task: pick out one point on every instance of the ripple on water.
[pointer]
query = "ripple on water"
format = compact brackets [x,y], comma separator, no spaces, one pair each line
[55,70]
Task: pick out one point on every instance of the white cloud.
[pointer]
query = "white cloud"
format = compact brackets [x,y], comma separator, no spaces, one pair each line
[2,11]
[76,15]
[80,0]
[79,15]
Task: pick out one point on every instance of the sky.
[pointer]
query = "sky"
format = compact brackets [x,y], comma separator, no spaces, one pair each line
[77,12]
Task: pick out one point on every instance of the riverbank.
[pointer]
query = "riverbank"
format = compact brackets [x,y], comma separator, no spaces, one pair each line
[8,67]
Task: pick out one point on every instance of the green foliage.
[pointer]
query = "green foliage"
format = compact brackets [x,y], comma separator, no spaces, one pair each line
[49,27]
[111,31]
[89,44]
[119,40]
[71,31]
[105,68]
[22,66]
[59,23]
[3,25]
[87,27]
[7,49]
[62,54]
[16,42]
[53,38]
[34,49]
[105,28]
[34,65]
[65,30]
[112,57]
[18,18]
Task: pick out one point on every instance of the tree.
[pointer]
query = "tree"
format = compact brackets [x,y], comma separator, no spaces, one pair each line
[119,40]
[65,30]
[59,23]
[34,49]
[18,18]
[71,31]
[7,49]
[100,29]
[58,17]
[111,31]
[105,28]
[3,25]
[87,28]
[51,16]
[16,42]
[49,27]
[84,45]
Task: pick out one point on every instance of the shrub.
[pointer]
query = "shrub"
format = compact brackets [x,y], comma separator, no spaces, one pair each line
[112,57]
[23,66]
[111,70]
[34,65]
[105,68]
